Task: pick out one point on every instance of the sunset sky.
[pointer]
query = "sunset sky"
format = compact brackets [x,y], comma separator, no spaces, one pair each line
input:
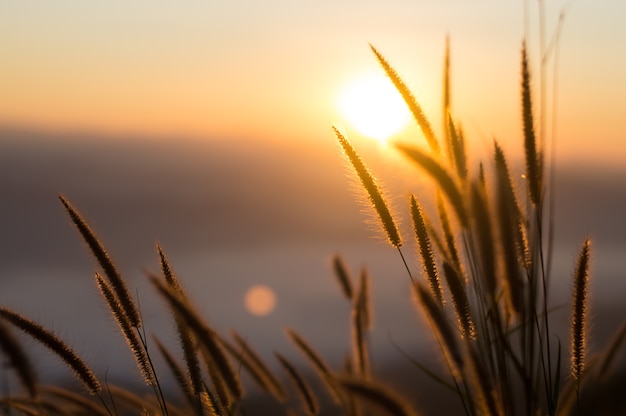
[275,69]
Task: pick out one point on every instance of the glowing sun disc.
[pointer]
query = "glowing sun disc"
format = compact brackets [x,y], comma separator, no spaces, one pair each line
[260,300]
[374,107]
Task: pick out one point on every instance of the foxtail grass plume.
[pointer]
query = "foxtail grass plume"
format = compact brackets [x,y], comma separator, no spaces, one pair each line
[56,345]
[458,290]
[425,251]
[131,337]
[533,158]
[411,102]
[375,195]
[186,339]
[579,311]
[117,283]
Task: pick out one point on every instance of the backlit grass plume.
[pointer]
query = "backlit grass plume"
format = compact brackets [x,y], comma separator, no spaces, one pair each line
[411,102]
[579,311]
[373,191]
[533,158]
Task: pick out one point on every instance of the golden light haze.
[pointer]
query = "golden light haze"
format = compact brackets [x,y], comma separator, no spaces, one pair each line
[274,69]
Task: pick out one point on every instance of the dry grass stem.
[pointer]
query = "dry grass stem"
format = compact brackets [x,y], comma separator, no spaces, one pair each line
[512,242]
[374,193]
[450,240]
[483,230]
[359,342]
[177,370]
[317,362]
[483,384]
[87,405]
[207,338]
[54,344]
[310,402]
[374,393]
[441,175]
[254,365]
[18,360]
[446,99]
[608,357]
[441,327]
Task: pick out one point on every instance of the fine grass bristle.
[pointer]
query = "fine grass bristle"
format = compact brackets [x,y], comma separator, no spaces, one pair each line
[579,311]
[54,344]
[18,360]
[425,250]
[306,393]
[101,255]
[410,101]
[374,393]
[441,175]
[132,340]
[450,240]
[533,160]
[343,276]
[374,193]
[484,233]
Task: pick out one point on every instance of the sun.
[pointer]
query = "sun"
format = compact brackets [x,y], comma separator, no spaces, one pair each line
[374,107]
